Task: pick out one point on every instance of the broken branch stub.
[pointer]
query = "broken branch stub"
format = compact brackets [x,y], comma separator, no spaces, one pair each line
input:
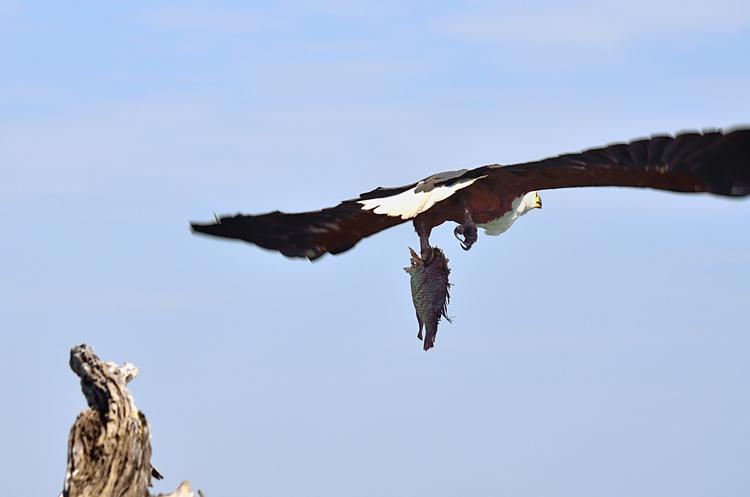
[109,446]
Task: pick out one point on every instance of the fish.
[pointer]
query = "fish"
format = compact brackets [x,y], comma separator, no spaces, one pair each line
[430,293]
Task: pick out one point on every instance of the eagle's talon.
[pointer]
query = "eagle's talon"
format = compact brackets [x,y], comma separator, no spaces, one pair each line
[457,232]
[469,233]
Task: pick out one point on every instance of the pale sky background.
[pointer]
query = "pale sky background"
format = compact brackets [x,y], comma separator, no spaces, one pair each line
[599,348]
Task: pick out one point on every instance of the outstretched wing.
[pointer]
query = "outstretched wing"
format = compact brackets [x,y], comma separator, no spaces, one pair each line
[713,162]
[337,229]
[304,234]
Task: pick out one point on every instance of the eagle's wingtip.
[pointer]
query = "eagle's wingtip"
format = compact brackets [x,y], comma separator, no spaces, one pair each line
[204,228]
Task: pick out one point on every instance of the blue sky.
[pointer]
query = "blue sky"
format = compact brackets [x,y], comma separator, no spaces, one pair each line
[598,348]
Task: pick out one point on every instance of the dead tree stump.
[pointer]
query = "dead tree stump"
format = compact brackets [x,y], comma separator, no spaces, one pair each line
[109,446]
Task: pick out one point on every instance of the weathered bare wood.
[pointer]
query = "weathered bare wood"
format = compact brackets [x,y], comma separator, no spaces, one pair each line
[183,490]
[109,446]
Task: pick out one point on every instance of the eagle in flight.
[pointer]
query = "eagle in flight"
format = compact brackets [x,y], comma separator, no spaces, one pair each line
[492,197]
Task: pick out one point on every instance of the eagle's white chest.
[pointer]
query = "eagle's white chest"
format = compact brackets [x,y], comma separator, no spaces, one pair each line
[500,225]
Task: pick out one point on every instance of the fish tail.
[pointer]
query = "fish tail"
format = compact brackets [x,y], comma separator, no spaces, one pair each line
[429,337]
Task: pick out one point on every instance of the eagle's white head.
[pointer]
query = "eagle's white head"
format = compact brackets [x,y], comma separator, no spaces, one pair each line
[530,201]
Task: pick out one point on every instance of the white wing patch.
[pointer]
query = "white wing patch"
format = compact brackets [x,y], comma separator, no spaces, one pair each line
[410,203]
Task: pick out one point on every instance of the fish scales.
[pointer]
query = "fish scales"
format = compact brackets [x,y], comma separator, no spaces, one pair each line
[430,291]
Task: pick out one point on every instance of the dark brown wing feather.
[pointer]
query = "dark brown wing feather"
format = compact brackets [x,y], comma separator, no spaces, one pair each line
[307,234]
[713,162]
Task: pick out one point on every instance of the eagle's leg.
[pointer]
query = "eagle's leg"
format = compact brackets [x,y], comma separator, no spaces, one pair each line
[468,229]
[424,230]
[419,335]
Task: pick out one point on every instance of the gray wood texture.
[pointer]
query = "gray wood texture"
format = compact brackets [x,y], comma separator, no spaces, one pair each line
[109,446]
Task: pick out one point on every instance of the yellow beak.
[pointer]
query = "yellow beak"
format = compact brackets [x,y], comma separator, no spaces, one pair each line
[538,202]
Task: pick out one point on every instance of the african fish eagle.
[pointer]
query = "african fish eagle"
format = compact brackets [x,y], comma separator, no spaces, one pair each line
[494,196]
